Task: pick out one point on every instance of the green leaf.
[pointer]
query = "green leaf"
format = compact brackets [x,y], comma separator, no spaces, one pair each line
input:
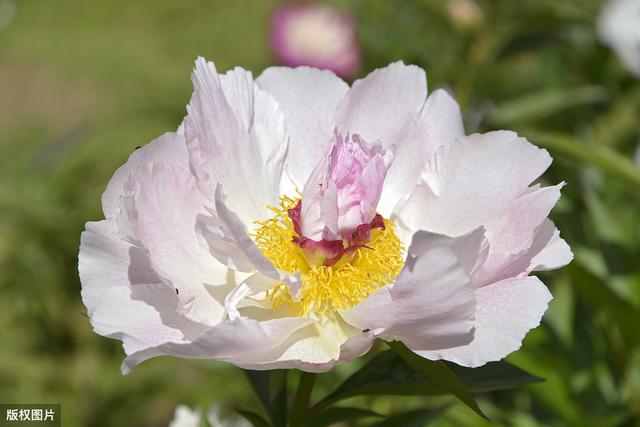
[337,414]
[387,374]
[536,106]
[599,155]
[270,388]
[256,419]
[493,376]
[439,373]
[413,418]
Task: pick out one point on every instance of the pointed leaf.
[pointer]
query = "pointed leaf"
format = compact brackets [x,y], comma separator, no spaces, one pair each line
[387,374]
[255,419]
[413,418]
[439,373]
[270,388]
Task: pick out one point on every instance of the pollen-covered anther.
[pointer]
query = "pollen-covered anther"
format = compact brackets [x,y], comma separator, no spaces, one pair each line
[335,274]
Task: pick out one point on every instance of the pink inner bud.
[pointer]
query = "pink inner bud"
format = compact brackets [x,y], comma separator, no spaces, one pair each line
[340,198]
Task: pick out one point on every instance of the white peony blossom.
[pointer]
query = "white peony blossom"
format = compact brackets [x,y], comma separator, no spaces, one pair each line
[293,219]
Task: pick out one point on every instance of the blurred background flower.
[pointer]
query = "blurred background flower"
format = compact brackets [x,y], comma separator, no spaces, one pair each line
[83,84]
[316,35]
[619,28]
[186,417]
[7,13]
[464,13]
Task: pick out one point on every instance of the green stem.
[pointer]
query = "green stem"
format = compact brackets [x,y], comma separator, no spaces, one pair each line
[300,408]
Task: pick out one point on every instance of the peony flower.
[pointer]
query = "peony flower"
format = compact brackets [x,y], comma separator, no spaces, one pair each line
[619,28]
[315,35]
[293,219]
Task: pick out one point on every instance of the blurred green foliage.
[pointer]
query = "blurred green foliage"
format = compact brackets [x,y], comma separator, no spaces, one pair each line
[83,83]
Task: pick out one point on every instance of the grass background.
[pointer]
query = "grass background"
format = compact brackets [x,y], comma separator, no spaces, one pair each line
[82,83]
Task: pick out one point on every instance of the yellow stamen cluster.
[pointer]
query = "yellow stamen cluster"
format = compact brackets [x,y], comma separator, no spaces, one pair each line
[342,285]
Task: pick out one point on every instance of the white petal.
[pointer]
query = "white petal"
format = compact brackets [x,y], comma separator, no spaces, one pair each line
[377,106]
[221,243]
[431,303]
[442,119]
[236,136]
[240,341]
[473,180]
[317,347]
[555,255]
[238,233]
[505,312]
[159,214]
[309,98]
[440,122]
[124,297]
[483,180]
[518,234]
[169,148]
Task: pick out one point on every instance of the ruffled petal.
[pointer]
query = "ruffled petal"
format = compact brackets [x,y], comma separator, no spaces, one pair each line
[483,180]
[505,312]
[159,212]
[431,304]
[124,297]
[317,347]
[555,254]
[344,188]
[239,341]
[309,98]
[439,123]
[169,148]
[378,106]
[236,136]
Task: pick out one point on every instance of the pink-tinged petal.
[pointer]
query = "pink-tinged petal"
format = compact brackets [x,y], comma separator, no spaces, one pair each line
[483,180]
[505,312]
[441,119]
[431,304]
[159,213]
[315,35]
[124,297]
[555,255]
[236,136]
[169,148]
[343,190]
[439,123]
[377,107]
[308,97]
[517,235]
[475,179]
[240,341]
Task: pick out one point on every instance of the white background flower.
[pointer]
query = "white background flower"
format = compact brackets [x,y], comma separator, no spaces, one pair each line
[619,28]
